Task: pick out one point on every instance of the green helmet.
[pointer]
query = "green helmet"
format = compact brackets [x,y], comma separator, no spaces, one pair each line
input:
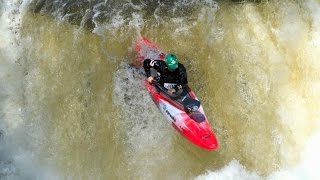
[172,61]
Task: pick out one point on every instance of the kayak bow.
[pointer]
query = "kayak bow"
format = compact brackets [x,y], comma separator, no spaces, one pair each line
[191,120]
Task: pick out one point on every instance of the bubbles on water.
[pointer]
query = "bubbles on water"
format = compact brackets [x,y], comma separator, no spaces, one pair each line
[181,27]
[211,4]
[234,170]
[136,106]
[305,169]
[289,80]
[145,129]
[10,96]
[17,161]
[137,22]
[313,7]
[146,133]
[101,15]
[245,90]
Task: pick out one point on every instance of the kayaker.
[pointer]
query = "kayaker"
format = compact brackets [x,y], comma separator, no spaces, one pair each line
[172,74]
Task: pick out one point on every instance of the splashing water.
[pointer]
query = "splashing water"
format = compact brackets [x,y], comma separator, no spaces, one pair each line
[72,108]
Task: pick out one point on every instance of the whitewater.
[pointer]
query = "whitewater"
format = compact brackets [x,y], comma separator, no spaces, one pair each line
[72,108]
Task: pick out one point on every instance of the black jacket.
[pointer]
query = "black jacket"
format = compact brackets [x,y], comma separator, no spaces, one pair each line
[178,76]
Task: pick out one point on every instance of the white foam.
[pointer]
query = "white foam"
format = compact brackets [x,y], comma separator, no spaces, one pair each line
[297,86]
[307,169]
[10,67]
[234,170]
[16,162]
[142,124]
[313,6]
[136,22]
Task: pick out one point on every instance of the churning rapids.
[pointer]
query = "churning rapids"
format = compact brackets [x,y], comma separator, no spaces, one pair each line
[72,108]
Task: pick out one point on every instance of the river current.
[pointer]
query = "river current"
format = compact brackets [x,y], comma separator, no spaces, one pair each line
[72,108]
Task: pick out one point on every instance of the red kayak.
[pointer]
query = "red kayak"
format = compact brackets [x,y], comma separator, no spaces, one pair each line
[183,110]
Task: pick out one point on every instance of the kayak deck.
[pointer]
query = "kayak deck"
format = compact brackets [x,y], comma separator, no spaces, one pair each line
[192,125]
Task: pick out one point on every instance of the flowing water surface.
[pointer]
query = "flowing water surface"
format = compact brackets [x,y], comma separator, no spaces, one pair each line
[71,106]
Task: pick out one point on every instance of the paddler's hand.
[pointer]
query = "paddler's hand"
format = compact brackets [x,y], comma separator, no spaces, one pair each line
[171,91]
[150,79]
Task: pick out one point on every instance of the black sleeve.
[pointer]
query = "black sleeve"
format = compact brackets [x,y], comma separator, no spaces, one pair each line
[182,75]
[146,66]
[156,64]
